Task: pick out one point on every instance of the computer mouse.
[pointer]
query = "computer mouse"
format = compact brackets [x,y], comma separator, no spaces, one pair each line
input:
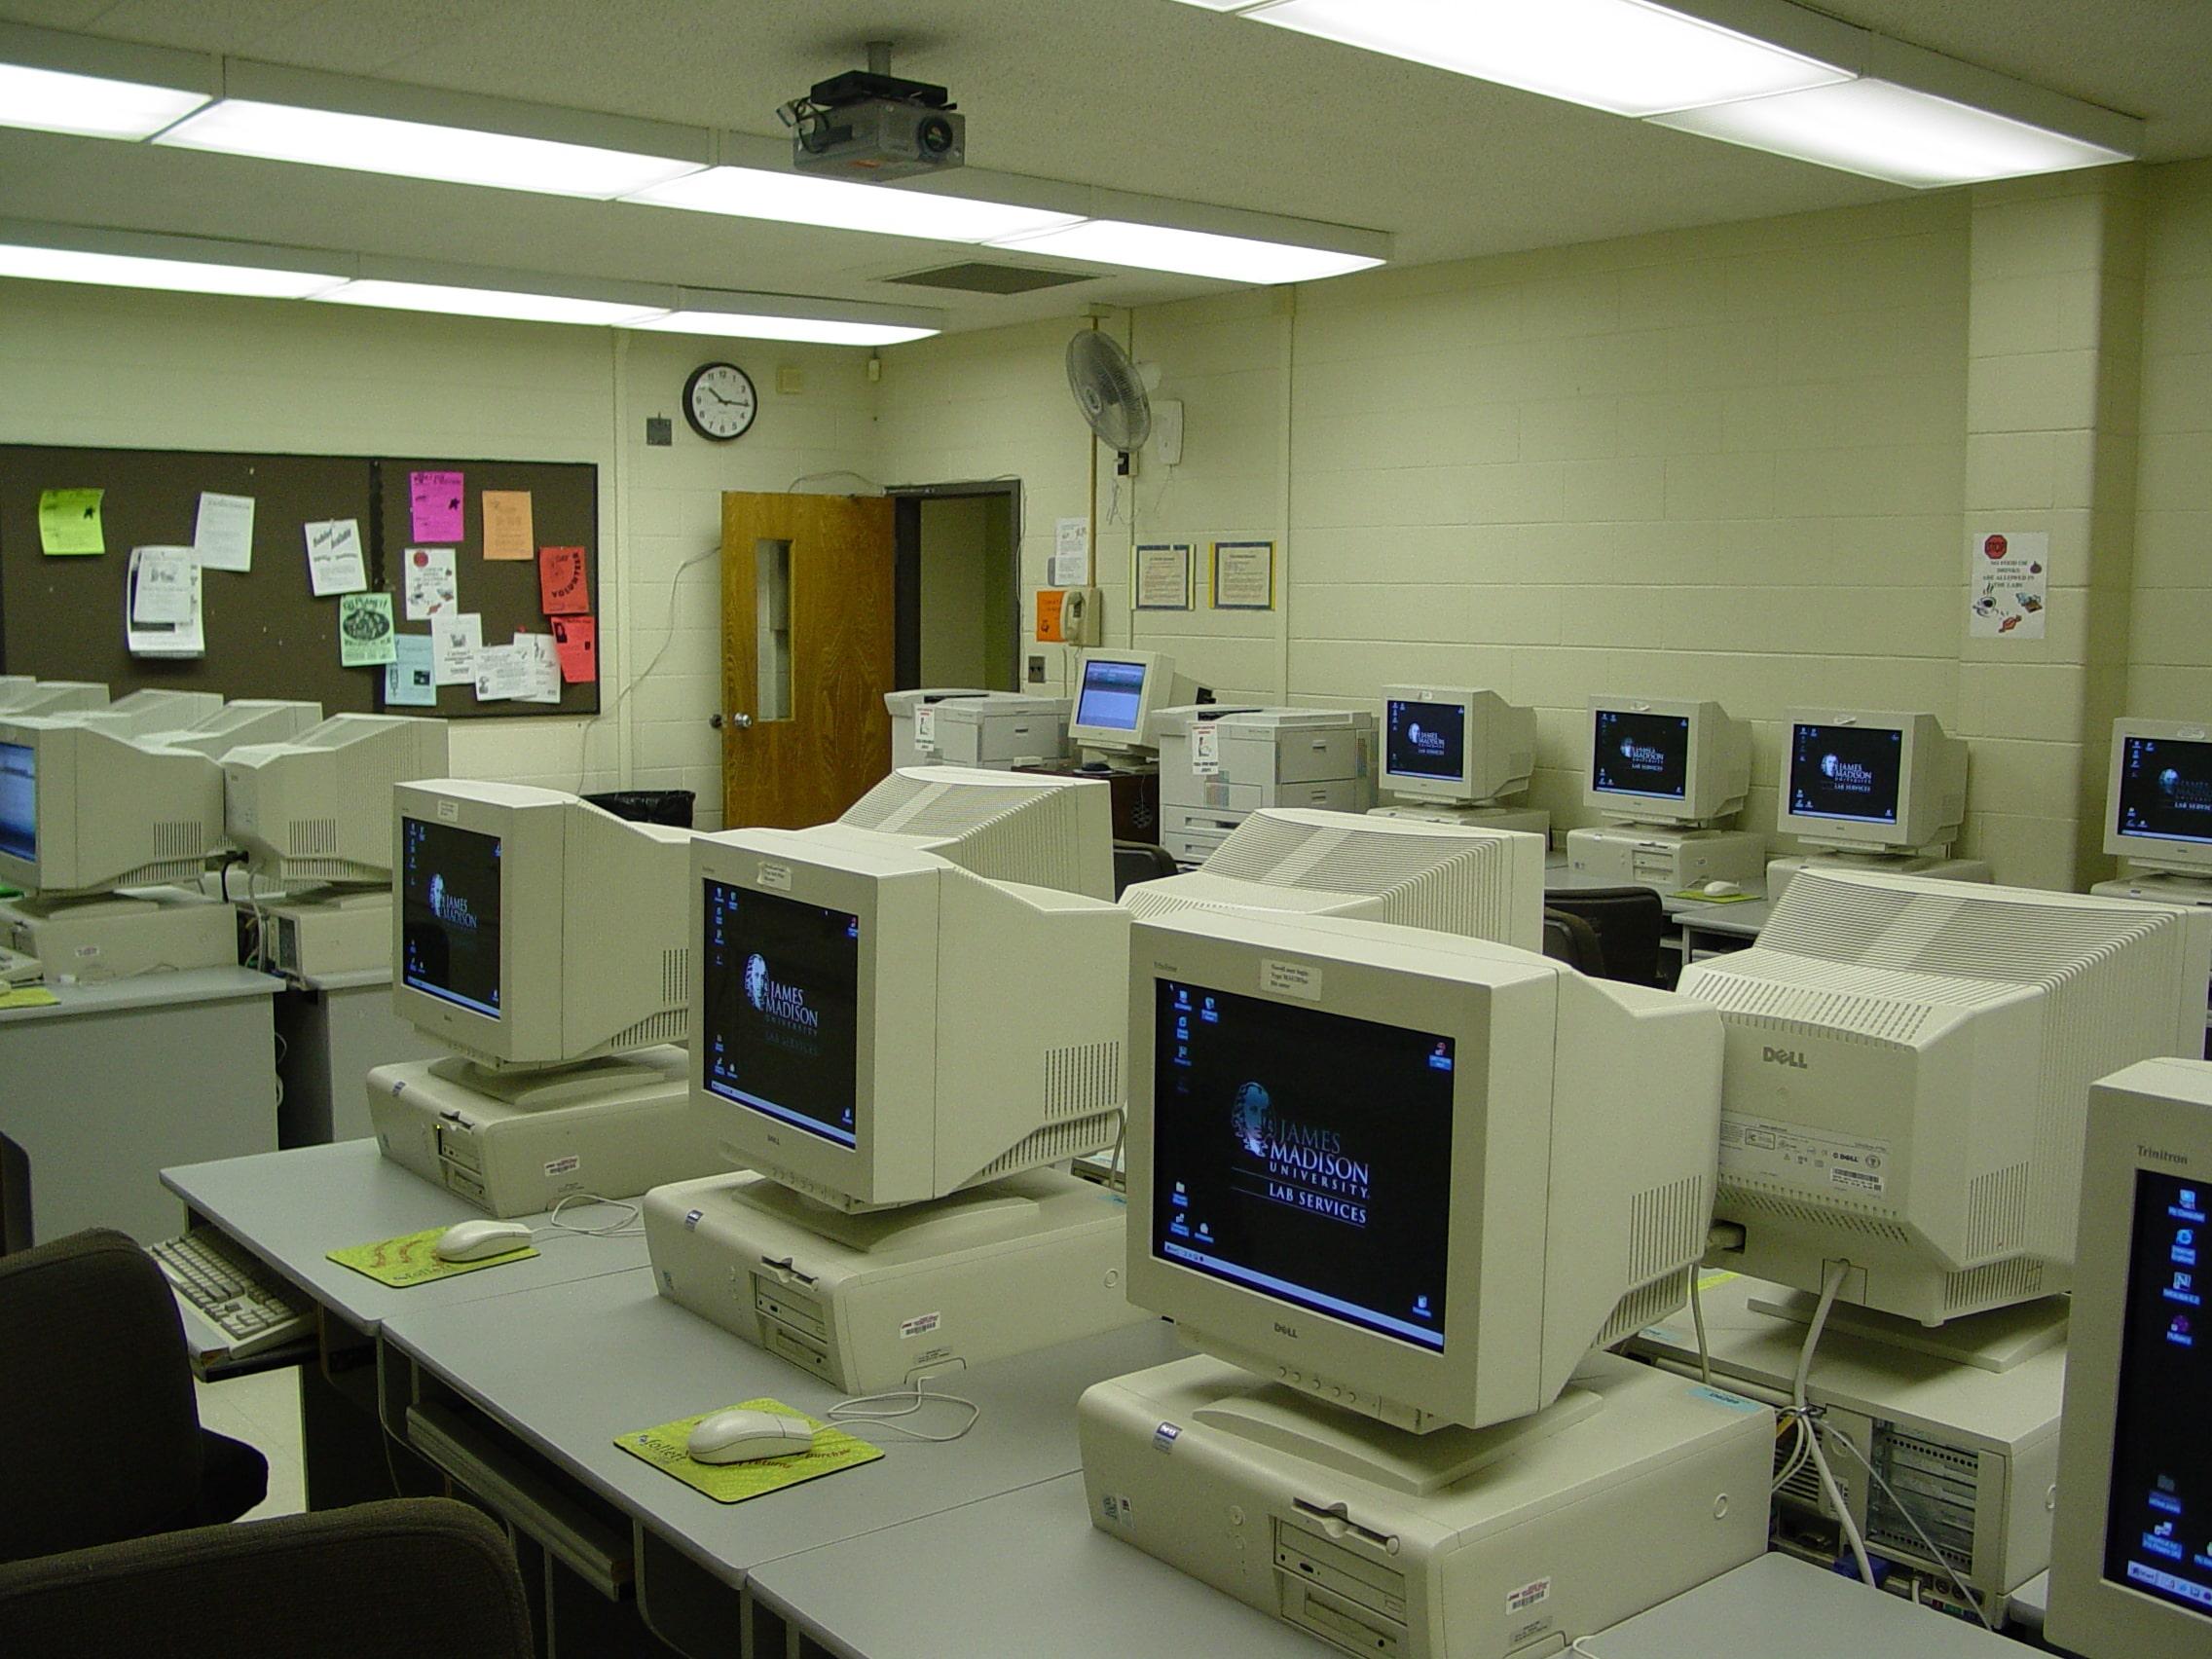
[1721,890]
[473,1240]
[741,1436]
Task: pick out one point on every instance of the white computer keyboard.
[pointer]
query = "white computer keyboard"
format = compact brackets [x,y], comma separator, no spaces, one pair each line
[234,1292]
[16,969]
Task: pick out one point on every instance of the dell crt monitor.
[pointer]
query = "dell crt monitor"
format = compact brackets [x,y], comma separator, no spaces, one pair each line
[1455,745]
[1659,761]
[874,1026]
[1863,781]
[318,808]
[85,812]
[2160,796]
[1906,1070]
[1117,692]
[1010,827]
[2130,1559]
[1419,1177]
[248,720]
[54,697]
[533,930]
[1480,883]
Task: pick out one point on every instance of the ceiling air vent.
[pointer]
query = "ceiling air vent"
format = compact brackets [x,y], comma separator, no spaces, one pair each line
[977,278]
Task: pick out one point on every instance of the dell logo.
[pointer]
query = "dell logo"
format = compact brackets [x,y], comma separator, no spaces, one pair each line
[1783,1057]
[1283,1330]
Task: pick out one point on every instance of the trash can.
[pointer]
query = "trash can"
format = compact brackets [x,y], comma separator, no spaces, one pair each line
[648,806]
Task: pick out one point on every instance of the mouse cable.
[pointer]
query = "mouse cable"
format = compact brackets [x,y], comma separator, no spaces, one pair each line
[848,1412]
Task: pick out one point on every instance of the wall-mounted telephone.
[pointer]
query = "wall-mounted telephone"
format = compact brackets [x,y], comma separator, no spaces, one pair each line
[1068,616]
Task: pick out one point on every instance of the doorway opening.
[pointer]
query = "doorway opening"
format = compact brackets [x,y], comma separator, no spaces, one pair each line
[959,585]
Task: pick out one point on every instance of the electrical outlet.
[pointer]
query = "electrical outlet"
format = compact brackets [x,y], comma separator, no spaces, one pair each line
[1036,671]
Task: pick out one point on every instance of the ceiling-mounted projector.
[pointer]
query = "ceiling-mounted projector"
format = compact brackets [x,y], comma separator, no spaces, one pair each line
[869,124]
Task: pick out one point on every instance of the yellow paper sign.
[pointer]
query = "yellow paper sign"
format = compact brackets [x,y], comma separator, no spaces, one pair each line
[734,1483]
[407,1260]
[69,523]
[27,996]
[507,525]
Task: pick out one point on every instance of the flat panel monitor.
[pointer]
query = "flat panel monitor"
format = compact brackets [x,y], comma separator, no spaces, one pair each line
[1865,780]
[2159,794]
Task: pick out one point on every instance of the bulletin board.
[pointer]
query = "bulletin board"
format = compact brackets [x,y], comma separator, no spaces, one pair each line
[266,635]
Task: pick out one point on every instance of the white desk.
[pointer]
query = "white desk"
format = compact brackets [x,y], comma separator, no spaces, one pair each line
[334,1028]
[114,1080]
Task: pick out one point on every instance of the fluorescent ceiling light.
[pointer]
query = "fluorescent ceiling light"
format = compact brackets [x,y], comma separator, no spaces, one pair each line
[821,331]
[415,149]
[175,275]
[753,193]
[1888,131]
[89,106]
[1625,55]
[1191,253]
[454,300]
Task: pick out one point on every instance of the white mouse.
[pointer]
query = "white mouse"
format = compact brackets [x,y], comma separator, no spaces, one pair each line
[1721,890]
[473,1240]
[740,1436]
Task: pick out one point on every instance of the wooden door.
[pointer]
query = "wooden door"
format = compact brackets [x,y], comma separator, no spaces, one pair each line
[808,640]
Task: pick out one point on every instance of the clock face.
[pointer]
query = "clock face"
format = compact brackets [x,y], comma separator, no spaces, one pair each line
[718,401]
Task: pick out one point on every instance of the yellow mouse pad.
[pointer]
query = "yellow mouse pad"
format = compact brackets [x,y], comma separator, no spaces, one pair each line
[733,1483]
[407,1260]
[28,996]
[1717,897]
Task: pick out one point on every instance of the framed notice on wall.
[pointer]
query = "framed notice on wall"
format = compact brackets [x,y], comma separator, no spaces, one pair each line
[1163,577]
[1243,575]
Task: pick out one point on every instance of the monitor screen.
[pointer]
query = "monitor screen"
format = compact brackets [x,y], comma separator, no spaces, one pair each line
[781,1008]
[1425,740]
[1303,1155]
[449,913]
[2165,789]
[1849,772]
[1638,753]
[19,801]
[1112,695]
[2156,1540]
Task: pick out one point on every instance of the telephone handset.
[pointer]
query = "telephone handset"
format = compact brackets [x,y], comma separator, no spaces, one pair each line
[1068,616]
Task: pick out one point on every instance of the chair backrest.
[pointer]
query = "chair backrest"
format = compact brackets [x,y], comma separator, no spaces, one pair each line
[1139,861]
[102,1433]
[399,1579]
[1574,942]
[1628,921]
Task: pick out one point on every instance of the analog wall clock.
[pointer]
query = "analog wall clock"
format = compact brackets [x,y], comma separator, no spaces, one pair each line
[719,402]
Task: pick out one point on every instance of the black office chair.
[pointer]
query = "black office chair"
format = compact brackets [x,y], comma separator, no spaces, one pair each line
[103,1440]
[1139,861]
[1627,920]
[407,1578]
[1573,941]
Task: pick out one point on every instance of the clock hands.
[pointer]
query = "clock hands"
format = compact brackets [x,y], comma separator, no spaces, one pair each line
[717,396]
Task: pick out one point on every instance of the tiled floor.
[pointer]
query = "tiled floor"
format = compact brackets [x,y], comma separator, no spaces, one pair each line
[263,1411]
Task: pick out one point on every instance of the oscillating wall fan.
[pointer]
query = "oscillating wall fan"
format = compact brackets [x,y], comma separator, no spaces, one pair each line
[1108,392]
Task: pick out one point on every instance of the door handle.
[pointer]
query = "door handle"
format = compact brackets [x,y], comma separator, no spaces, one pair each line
[734,718]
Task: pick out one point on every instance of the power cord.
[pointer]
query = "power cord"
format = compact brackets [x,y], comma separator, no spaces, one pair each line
[1697,1317]
[1832,1283]
[848,1411]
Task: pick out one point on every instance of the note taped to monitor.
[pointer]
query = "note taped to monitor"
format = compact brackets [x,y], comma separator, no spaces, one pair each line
[168,623]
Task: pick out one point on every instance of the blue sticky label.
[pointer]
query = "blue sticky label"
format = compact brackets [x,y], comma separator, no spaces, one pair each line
[1721,1397]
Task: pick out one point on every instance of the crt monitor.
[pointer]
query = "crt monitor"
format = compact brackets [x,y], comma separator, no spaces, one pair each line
[1011,827]
[1483,883]
[1116,693]
[874,1026]
[83,811]
[248,720]
[532,929]
[2159,795]
[318,808]
[1655,760]
[1865,780]
[1455,744]
[54,697]
[143,713]
[1907,1065]
[1419,1177]
[2131,1554]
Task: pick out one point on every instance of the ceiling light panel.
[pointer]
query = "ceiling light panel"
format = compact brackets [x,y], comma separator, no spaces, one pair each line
[89,106]
[173,276]
[1883,130]
[451,300]
[1191,253]
[413,149]
[820,331]
[1623,56]
[753,193]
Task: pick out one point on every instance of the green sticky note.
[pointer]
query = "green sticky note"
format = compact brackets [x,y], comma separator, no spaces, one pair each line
[27,996]
[365,632]
[69,523]
[733,1483]
[407,1260]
